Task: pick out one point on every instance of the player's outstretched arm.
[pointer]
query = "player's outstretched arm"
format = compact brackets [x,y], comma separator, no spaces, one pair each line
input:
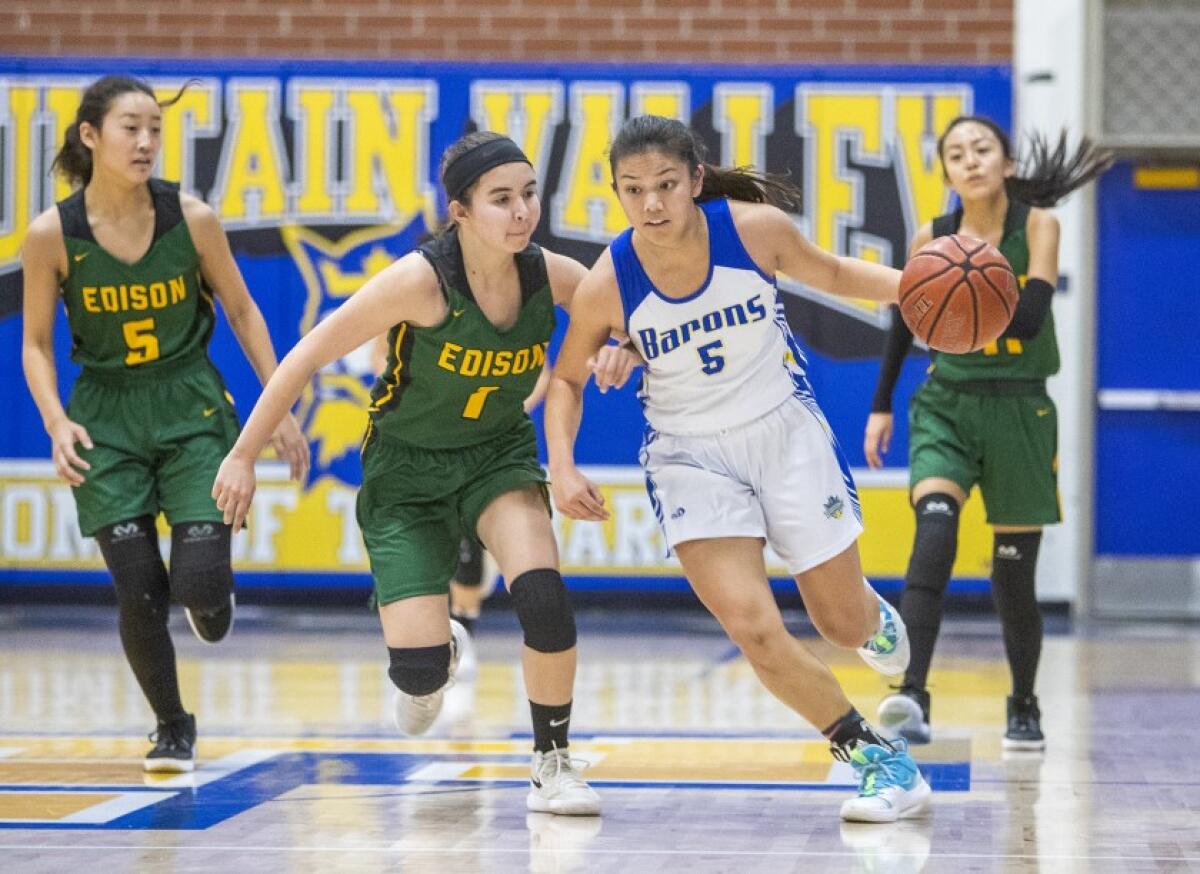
[612,365]
[596,313]
[405,291]
[221,274]
[774,241]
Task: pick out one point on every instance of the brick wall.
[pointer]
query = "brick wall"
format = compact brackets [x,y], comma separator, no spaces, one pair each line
[688,31]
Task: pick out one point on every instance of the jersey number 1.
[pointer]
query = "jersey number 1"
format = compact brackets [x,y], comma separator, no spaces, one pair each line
[474,407]
[142,342]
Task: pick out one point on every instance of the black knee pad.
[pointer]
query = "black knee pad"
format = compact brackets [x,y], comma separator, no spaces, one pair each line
[936,542]
[419,670]
[470,564]
[201,574]
[544,610]
[130,551]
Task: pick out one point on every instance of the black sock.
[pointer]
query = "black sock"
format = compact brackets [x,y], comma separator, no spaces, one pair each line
[845,734]
[467,622]
[551,724]
[934,548]
[1014,564]
[130,551]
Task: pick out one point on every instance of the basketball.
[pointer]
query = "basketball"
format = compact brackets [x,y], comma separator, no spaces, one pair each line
[957,294]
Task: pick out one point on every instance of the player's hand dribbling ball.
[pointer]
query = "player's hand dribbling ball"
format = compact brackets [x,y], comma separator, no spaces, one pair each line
[957,294]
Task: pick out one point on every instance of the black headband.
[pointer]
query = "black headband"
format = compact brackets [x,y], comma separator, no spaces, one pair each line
[470,165]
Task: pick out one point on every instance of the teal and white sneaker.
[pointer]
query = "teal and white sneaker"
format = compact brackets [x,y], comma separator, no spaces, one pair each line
[889,785]
[887,651]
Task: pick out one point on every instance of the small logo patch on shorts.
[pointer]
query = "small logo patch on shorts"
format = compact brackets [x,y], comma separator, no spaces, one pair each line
[678,514]
[834,507]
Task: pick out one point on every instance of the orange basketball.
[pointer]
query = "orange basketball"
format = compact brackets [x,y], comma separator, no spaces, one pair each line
[957,294]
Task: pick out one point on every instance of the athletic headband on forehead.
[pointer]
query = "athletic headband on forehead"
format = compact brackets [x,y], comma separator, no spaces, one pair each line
[469,166]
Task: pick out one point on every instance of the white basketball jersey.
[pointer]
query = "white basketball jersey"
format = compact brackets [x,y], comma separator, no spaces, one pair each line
[719,357]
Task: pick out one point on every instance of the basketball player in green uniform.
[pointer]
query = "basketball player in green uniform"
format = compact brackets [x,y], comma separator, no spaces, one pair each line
[984,418]
[449,449]
[137,265]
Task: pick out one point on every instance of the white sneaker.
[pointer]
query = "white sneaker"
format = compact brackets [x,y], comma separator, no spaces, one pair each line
[556,787]
[468,661]
[415,713]
[906,715]
[887,651]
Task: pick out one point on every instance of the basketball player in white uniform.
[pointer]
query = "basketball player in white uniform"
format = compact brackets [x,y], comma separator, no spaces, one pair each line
[736,451]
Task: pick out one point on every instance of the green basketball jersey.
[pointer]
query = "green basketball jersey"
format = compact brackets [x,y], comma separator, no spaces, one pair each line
[1007,357]
[140,318]
[463,382]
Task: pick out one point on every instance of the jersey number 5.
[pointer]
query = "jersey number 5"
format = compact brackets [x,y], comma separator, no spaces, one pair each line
[142,342]
[712,361]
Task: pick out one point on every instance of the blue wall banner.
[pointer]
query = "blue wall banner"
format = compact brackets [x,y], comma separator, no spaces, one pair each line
[323,173]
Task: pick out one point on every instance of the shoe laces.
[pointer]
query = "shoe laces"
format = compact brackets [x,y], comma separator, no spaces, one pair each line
[172,735]
[878,773]
[565,769]
[884,639]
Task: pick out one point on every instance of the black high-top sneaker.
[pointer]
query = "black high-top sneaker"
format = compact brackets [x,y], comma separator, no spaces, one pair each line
[1024,725]
[174,747]
[212,627]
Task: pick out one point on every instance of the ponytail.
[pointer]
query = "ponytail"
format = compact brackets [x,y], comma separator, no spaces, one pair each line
[744,183]
[1046,174]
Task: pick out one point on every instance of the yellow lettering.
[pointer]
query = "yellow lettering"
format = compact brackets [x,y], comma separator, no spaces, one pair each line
[668,99]
[62,102]
[449,356]
[744,114]
[17,121]
[389,149]
[250,180]
[158,295]
[470,363]
[920,119]
[310,106]
[89,299]
[137,297]
[108,298]
[526,112]
[586,207]
[539,355]
[503,363]
[486,370]
[828,120]
[190,118]
[178,289]
[124,293]
[520,362]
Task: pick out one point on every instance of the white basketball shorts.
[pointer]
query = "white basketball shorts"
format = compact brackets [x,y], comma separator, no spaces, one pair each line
[780,477]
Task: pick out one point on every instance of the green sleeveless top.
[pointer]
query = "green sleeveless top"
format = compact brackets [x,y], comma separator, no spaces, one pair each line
[141,319]
[463,382]
[1007,357]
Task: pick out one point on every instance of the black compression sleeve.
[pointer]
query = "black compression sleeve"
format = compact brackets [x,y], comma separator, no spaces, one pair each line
[895,348]
[1031,309]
